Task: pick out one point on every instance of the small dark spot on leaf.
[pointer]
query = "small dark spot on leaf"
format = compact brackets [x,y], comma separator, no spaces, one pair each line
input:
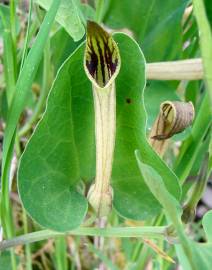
[128,100]
[147,84]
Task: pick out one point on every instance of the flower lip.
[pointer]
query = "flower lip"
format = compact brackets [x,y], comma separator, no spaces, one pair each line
[102,59]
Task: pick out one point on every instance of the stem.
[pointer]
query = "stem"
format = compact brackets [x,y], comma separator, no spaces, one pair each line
[100,194]
[27,247]
[191,69]
[60,253]
[205,42]
[5,205]
[13,260]
[196,194]
[99,241]
[148,231]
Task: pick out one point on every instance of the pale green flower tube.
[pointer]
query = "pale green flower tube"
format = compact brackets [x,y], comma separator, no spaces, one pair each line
[102,64]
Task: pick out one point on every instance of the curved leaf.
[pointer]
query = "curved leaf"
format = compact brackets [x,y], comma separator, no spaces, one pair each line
[61,151]
[62,143]
[68,16]
[201,252]
[206,222]
[132,198]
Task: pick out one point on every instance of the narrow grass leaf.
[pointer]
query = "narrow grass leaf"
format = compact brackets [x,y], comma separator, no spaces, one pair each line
[22,88]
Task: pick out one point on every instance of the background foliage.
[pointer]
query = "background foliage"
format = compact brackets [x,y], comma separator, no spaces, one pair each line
[48,143]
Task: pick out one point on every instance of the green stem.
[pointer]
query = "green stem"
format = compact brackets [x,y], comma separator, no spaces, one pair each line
[6,209]
[196,194]
[60,253]
[188,155]
[205,42]
[13,259]
[144,251]
[149,232]
[23,85]
[27,248]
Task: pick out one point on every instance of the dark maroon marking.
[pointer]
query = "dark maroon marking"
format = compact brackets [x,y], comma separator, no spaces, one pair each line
[93,63]
[159,137]
[165,108]
[128,100]
[108,55]
[101,61]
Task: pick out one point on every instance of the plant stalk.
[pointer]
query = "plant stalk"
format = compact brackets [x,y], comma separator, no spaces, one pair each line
[205,42]
[197,192]
[191,69]
[148,231]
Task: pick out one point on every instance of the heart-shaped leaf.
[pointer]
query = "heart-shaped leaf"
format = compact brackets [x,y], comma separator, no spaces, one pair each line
[61,151]
[132,198]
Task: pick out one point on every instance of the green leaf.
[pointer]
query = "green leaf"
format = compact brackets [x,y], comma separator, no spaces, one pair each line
[158,189]
[155,31]
[62,143]
[26,77]
[62,46]
[132,198]
[68,16]
[201,255]
[208,8]
[206,222]
[4,11]
[23,86]
[187,248]
[61,151]
[9,60]
[201,252]
[5,261]
[205,43]
[88,11]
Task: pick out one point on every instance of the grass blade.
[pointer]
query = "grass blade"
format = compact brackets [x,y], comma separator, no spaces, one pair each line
[23,85]
[205,42]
